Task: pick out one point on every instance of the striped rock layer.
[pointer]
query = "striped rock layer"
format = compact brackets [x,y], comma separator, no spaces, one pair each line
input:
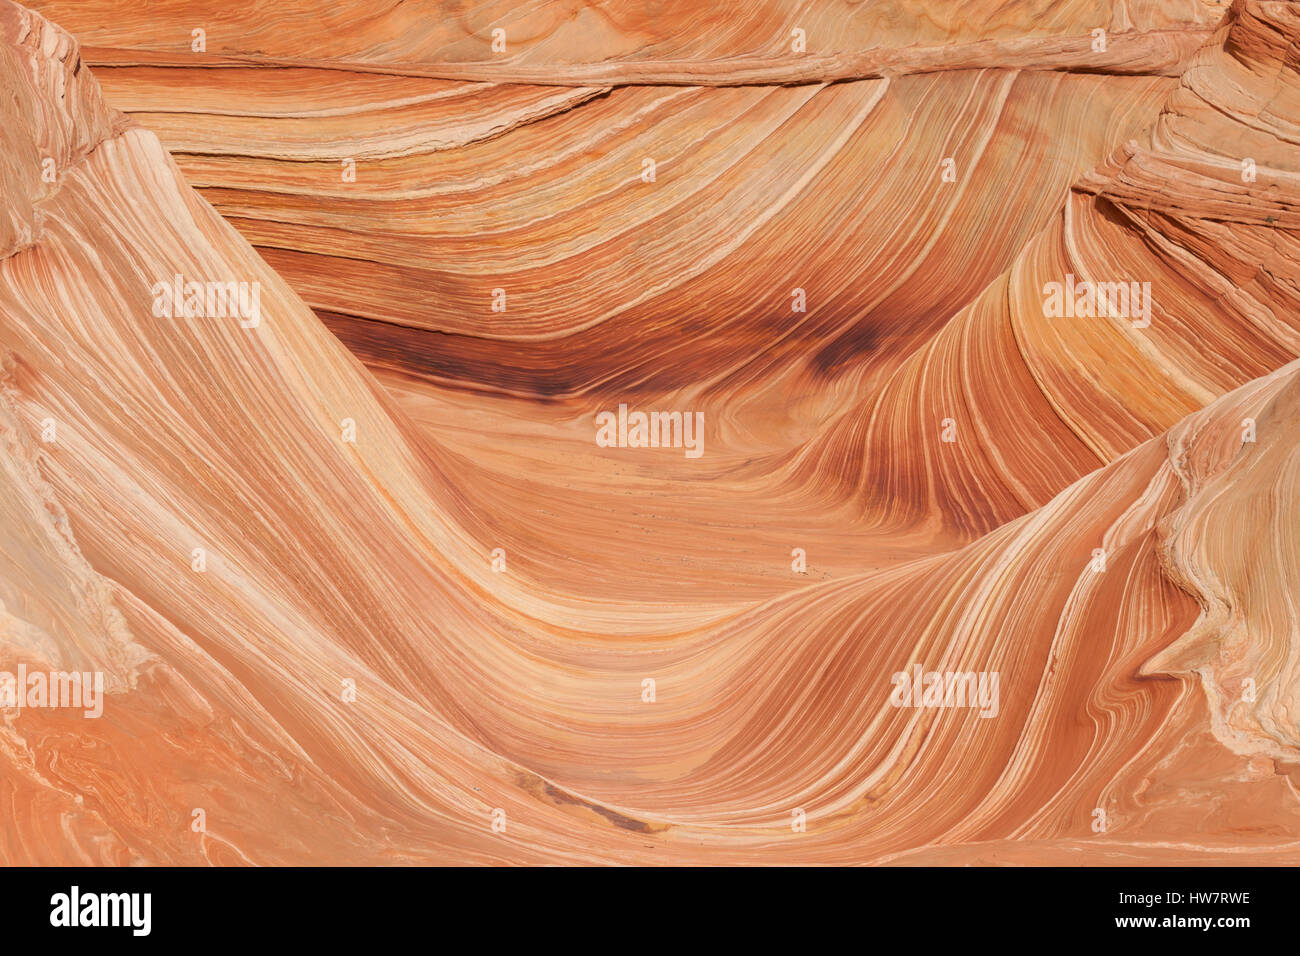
[363,586]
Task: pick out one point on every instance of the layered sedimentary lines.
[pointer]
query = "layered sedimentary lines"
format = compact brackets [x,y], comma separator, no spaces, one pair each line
[831,434]
[661,41]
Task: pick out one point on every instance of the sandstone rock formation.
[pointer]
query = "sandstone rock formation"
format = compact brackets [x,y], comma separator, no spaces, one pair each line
[362,583]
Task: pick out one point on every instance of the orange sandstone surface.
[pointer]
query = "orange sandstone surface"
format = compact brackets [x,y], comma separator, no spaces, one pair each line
[367,556]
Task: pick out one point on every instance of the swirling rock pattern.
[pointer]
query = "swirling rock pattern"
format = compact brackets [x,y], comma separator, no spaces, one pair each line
[362,583]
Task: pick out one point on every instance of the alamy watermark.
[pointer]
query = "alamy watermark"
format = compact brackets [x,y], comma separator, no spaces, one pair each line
[1118,300]
[53,689]
[75,908]
[923,688]
[638,429]
[179,299]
